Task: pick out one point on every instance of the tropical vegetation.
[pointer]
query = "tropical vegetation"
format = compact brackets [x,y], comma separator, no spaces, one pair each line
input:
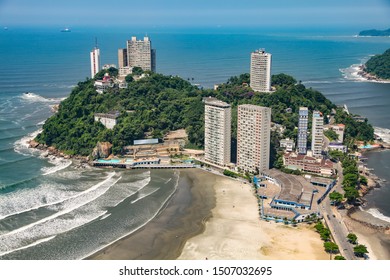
[155,104]
[379,65]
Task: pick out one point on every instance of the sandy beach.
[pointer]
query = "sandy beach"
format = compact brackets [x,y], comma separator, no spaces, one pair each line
[369,231]
[215,217]
[235,232]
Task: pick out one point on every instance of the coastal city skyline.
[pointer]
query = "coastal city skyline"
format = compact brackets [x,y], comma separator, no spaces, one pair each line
[195,130]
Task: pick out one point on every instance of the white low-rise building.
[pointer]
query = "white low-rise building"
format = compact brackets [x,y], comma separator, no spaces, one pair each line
[108,120]
[288,144]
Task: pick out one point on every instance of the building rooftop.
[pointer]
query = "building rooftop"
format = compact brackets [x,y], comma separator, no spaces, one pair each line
[294,188]
[215,102]
[146,141]
[109,115]
[251,106]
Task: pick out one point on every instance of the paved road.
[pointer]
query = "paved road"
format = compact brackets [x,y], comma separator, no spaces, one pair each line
[335,223]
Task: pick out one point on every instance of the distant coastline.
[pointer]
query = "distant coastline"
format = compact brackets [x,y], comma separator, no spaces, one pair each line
[375,33]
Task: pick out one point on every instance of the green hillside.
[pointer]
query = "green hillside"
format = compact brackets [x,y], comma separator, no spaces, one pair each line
[157,104]
[379,65]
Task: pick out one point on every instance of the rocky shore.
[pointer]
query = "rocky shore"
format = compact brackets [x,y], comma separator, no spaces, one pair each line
[52,151]
[368,76]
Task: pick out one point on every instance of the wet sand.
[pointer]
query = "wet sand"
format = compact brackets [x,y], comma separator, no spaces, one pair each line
[183,217]
[214,217]
[371,232]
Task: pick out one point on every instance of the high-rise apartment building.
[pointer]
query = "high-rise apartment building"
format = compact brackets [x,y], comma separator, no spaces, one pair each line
[260,72]
[95,61]
[217,131]
[141,54]
[253,137]
[302,130]
[122,58]
[317,133]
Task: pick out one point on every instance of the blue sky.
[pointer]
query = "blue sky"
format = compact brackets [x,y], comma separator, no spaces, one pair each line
[278,13]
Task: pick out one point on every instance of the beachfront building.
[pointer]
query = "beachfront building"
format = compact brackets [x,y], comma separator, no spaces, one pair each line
[302,130]
[107,119]
[317,133]
[122,58]
[309,164]
[253,137]
[217,131]
[260,71]
[141,54]
[95,61]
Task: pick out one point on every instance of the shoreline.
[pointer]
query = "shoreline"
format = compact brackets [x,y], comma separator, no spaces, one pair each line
[214,217]
[370,230]
[164,236]
[369,77]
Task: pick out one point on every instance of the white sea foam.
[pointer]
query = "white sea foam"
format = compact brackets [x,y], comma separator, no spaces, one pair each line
[352,72]
[383,133]
[59,164]
[28,246]
[72,204]
[44,196]
[105,216]
[163,205]
[144,195]
[21,146]
[16,242]
[377,214]
[123,191]
[33,97]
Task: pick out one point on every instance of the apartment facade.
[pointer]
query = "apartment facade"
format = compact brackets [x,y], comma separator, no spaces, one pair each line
[95,61]
[141,54]
[253,137]
[122,58]
[217,131]
[302,130]
[317,133]
[260,71]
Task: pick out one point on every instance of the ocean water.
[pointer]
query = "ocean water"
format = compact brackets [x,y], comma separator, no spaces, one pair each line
[51,209]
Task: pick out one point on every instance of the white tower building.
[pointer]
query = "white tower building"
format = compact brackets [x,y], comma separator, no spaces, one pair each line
[95,61]
[253,137]
[217,131]
[302,130]
[317,133]
[260,72]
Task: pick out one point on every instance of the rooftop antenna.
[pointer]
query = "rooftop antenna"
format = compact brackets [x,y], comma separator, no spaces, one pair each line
[96,44]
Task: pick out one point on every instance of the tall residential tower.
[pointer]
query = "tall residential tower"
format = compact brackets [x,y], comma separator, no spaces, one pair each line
[302,130]
[141,54]
[260,72]
[95,61]
[253,137]
[317,133]
[217,131]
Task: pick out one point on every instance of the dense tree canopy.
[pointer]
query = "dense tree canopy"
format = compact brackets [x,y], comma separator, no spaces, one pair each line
[158,103]
[379,65]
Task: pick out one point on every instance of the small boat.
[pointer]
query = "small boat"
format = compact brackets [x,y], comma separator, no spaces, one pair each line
[66,30]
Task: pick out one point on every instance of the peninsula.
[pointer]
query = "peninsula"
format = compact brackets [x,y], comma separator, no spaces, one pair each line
[375,32]
[103,117]
[377,68]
